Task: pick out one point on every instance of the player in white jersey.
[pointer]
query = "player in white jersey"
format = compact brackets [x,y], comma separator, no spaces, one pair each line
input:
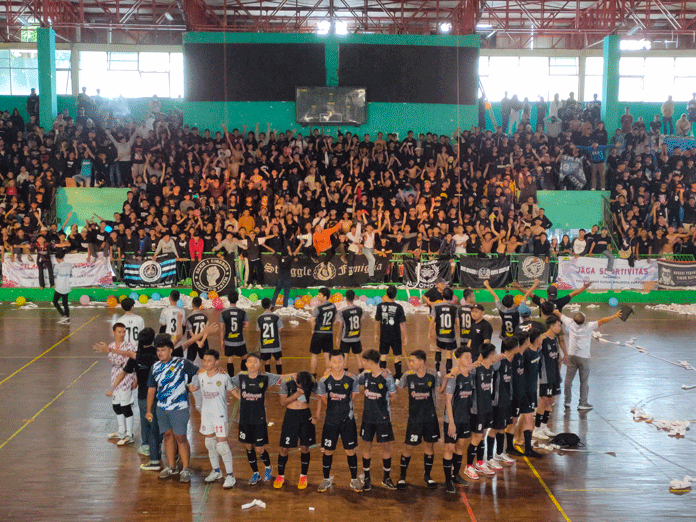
[214,385]
[172,322]
[134,323]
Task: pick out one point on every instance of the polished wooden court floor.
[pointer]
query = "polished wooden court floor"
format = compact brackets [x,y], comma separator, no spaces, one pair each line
[56,463]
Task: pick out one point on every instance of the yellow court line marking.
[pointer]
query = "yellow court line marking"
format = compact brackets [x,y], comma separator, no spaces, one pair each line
[44,353]
[603,490]
[26,423]
[548,491]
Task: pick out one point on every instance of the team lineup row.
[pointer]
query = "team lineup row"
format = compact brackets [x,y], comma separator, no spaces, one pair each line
[489,395]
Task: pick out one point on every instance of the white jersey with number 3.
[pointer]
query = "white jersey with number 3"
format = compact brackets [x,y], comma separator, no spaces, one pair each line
[169,318]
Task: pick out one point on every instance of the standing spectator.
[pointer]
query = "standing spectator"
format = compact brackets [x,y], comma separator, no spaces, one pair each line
[626,122]
[33,104]
[683,126]
[505,109]
[482,112]
[514,117]
[541,111]
[667,111]
[691,109]
[63,272]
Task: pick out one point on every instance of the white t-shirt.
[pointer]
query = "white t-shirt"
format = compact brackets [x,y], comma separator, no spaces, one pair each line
[460,242]
[579,336]
[169,317]
[579,245]
[134,325]
[214,392]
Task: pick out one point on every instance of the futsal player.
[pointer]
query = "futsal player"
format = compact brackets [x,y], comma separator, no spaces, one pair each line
[422,425]
[443,329]
[528,403]
[350,318]
[481,409]
[549,378]
[508,310]
[134,323]
[298,425]
[481,331]
[172,322]
[464,313]
[232,342]
[323,317]
[269,325]
[502,404]
[337,391]
[391,330]
[195,323]
[518,394]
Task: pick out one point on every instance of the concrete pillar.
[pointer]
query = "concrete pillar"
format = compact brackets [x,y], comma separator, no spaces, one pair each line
[611,113]
[48,101]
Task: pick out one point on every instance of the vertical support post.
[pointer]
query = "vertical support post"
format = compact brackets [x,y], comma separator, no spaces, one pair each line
[610,83]
[48,101]
[331,60]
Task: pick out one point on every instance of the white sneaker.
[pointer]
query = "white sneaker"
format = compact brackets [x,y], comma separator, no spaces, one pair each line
[229,483]
[214,475]
[483,469]
[116,435]
[144,450]
[548,432]
[539,434]
[505,459]
[492,463]
[125,440]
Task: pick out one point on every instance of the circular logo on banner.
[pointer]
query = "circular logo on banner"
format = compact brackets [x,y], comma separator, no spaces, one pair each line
[533,267]
[484,273]
[324,272]
[150,271]
[428,274]
[212,275]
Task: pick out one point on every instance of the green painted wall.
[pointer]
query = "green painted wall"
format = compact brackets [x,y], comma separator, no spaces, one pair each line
[83,202]
[572,209]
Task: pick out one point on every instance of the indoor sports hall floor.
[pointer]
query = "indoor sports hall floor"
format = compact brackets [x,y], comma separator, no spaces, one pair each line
[57,464]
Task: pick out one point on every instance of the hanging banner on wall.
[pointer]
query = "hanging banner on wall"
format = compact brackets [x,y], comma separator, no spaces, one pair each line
[675,274]
[473,271]
[214,274]
[149,273]
[336,272]
[573,273]
[529,268]
[425,275]
[571,168]
[26,275]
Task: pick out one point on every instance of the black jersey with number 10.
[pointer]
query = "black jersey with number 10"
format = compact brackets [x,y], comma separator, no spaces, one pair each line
[445,317]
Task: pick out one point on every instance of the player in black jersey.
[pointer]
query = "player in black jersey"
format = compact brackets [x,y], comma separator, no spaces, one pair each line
[459,388]
[481,331]
[232,342]
[195,324]
[350,318]
[391,330]
[481,409]
[379,387]
[269,325]
[465,321]
[323,317]
[250,388]
[502,404]
[508,310]
[435,294]
[443,329]
[528,404]
[552,295]
[298,424]
[422,425]
[518,394]
[549,378]
[337,391]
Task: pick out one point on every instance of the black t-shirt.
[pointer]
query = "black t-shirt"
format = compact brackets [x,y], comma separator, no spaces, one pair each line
[324,316]
[234,318]
[144,359]
[339,397]
[480,332]
[421,395]
[558,303]
[549,371]
[377,390]
[269,324]
[518,380]
[483,396]
[445,315]
[390,315]
[502,383]
[433,295]
[252,406]
[465,322]
[532,361]
[461,388]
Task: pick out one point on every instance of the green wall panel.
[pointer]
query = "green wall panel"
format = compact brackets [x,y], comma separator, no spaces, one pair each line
[572,208]
[83,202]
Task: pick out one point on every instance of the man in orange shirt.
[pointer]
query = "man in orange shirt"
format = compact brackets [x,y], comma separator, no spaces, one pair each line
[321,239]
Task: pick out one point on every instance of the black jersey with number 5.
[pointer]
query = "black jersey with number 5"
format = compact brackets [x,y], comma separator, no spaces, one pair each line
[351,319]
[269,325]
[445,317]
[324,317]
[233,319]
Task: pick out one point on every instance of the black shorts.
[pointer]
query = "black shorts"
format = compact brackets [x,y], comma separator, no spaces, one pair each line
[394,346]
[346,348]
[383,431]
[443,345]
[502,417]
[348,431]
[297,424]
[550,389]
[267,356]
[236,351]
[256,434]
[428,431]
[321,343]
[195,350]
[527,404]
[480,423]
[463,432]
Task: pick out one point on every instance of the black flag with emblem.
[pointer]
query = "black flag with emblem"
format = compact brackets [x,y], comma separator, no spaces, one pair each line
[214,274]
[473,271]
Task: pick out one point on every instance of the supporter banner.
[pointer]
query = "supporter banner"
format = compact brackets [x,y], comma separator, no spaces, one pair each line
[473,271]
[149,273]
[529,268]
[336,272]
[214,274]
[425,275]
[571,168]
[26,275]
[573,273]
[673,274]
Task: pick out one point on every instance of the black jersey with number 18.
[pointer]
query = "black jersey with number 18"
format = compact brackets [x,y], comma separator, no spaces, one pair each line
[351,321]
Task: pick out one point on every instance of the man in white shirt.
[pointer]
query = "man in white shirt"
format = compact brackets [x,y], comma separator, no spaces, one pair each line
[460,240]
[172,321]
[134,323]
[63,272]
[578,359]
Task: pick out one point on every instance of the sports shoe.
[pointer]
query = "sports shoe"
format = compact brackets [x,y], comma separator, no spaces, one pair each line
[493,464]
[430,483]
[532,453]
[128,439]
[450,487]
[144,450]
[505,459]
[153,465]
[268,474]
[279,481]
[367,484]
[458,480]
[302,484]
[63,320]
[470,473]
[389,484]
[548,432]
[401,484]
[166,473]
[566,404]
[355,485]
[515,452]
[585,407]
[185,475]
[483,469]
[116,435]
[327,483]
[230,481]
[539,433]
[214,475]
[254,478]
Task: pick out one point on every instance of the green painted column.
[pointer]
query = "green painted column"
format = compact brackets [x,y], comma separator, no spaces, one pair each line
[331,61]
[48,101]
[611,113]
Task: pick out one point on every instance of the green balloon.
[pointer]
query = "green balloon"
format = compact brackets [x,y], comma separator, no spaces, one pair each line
[253,298]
